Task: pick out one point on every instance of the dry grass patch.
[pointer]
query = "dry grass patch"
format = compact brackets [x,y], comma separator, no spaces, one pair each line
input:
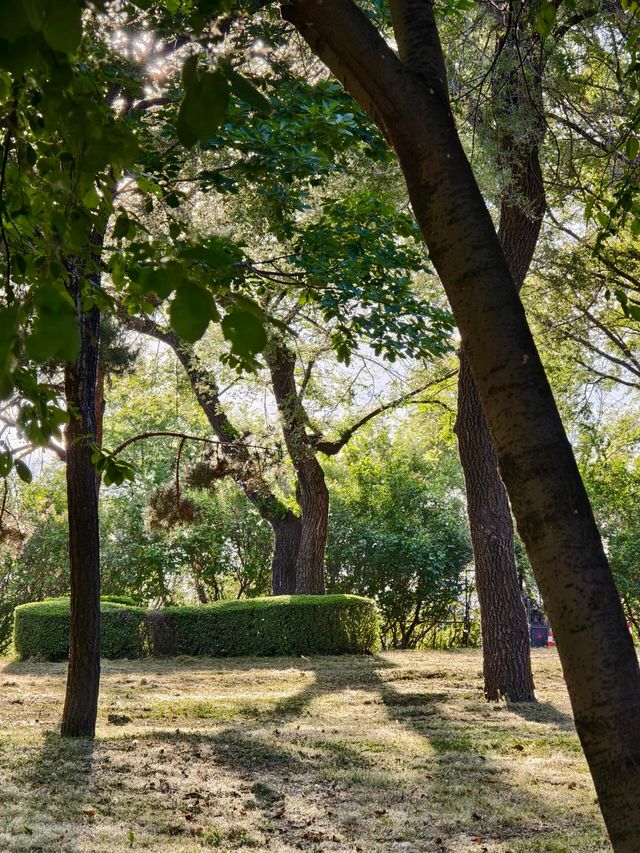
[393,752]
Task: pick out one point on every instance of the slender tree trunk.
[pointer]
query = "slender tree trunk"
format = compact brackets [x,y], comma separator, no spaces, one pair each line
[83,678]
[505,631]
[548,497]
[313,497]
[506,656]
[287,532]
[101,406]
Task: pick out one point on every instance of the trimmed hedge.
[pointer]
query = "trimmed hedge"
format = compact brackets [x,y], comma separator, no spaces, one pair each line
[41,629]
[283,625]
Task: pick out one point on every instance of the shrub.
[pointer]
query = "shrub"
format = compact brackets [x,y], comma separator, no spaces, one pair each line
[41,630]
[283,625]
[286,625]
[119,599]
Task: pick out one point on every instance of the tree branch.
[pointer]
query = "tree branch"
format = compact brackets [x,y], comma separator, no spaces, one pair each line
[331,448]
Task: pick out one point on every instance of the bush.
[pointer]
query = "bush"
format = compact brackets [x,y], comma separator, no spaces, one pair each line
[286,625]
[119,599]
[41,630]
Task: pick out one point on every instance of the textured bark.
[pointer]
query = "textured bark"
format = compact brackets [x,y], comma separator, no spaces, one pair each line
[505,632]
[312,492]
[101,406]
[83,678]
[287,532]
[506,655]
[244,468]
[537,464]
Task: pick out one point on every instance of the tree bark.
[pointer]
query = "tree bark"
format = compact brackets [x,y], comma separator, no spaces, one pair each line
[549,501]
[505,632]
[287,531]
[312,492]
[83,678]
[506,655]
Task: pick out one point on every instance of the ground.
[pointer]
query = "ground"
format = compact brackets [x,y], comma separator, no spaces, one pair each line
[393,752]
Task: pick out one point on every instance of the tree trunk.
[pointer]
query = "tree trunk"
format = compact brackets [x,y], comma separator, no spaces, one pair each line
[312,492]
[506,657]
[83,678]
[287,532]
[537,464]
[313,497]
[505,632]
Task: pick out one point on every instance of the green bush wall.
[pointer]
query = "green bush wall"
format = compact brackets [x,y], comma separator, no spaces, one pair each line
[284,625]
[41,630]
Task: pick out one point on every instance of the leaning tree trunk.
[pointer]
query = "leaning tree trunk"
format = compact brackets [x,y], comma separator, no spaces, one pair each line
[83,678]
[548,497]
[505,632]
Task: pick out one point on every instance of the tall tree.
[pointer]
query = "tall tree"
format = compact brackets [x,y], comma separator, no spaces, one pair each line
[537,464]
[80,379]
[518,131]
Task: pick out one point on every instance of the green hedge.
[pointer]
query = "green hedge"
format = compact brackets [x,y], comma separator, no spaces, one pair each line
[41,630]
[286,625]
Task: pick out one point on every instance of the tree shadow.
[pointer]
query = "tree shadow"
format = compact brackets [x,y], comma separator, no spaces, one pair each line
[289,751]
[542,712]
[51,803]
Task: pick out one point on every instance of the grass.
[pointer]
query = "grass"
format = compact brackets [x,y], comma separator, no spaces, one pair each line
[393,752]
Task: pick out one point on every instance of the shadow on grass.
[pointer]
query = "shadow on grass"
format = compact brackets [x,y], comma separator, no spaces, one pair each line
[451,791]
[542,712]
[49,808]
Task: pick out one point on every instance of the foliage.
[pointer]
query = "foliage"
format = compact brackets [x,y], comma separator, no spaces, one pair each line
[42,629]
[611,471]
[226,552]
[288,625]
[398,535]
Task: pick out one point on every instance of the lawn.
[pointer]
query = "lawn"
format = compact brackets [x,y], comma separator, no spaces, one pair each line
[393,752]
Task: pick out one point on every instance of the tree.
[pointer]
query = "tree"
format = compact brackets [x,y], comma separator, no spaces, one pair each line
[535,458]
[517,131]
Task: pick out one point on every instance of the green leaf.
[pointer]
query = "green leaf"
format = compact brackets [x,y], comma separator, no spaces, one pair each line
[91,198]
[189,73]
[203,108]
[545,19]
[6,460]
[632,147]
[55,333]
[23,471]
[245,332]
[191,311]
[160,280]
[121,227]
[62,26]
[34,10]
[247,92]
